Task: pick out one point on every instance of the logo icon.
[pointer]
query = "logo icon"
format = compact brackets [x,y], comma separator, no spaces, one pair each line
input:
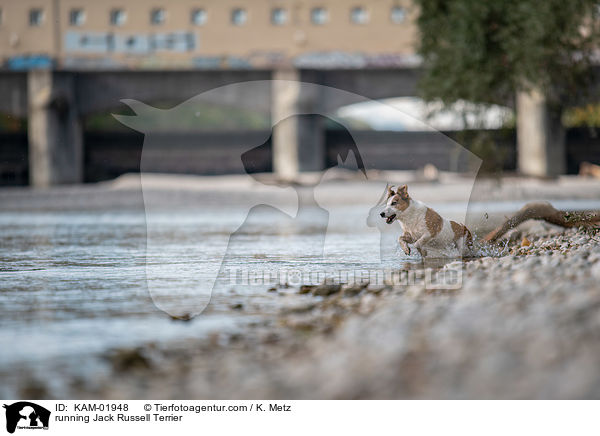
[26,415]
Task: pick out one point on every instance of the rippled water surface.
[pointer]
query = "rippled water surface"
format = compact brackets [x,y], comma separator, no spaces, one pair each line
[76,282]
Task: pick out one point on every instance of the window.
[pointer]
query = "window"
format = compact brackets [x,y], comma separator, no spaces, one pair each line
[359,15]
[278,16]
[1,17]
[239,16]
[118,17]
[76,17]
[319,16]
[199,17]
[36,17]
[158,16]
[397,14]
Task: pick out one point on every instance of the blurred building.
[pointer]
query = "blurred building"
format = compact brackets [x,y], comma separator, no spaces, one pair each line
[76,34]
[62,61]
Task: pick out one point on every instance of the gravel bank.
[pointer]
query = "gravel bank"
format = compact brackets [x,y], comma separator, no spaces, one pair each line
[525,325]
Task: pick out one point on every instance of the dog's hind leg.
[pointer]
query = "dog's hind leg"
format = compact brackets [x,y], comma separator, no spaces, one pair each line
[463,241]
[460,246]
[465,244]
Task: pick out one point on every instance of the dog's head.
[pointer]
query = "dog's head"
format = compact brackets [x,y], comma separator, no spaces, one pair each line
[396,203]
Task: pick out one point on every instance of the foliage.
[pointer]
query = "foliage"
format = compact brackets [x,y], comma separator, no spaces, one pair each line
[200,116]
[582,116]
[485,50]
[9,123]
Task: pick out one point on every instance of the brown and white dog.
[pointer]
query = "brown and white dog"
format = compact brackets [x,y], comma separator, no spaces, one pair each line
[423,227]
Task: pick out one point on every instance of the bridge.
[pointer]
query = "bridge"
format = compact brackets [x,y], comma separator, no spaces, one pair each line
[55,102]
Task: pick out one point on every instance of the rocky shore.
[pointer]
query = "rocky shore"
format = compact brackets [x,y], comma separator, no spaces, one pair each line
[523,325]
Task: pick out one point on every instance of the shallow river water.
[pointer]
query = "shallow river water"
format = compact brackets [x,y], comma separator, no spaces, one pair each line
[78,282]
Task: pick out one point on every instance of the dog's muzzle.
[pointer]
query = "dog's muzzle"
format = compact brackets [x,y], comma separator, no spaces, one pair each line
[390,219]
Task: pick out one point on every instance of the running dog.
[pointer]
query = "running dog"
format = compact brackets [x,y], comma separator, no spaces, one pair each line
[423,227]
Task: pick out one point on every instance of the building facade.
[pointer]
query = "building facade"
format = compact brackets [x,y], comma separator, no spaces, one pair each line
[210,34]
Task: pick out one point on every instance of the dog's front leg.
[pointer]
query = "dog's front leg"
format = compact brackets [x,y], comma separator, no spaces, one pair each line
[421,242]
[404,240]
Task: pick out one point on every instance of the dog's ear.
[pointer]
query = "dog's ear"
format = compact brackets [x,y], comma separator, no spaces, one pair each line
[390,192]
[403,192]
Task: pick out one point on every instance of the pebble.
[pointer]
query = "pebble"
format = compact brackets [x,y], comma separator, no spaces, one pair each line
[354,289]
[306,289]
[326,290]
[377,289]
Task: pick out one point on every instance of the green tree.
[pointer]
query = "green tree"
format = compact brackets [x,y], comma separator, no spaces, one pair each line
[490,51]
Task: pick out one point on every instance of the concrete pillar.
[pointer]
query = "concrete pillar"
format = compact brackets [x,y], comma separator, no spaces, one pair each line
[540,137]
[54,129]
[298,135]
